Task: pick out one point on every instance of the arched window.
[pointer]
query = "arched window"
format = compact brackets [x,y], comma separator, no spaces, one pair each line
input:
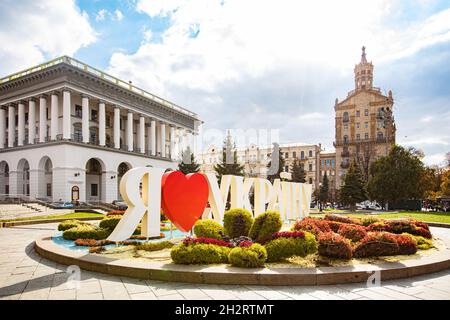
[380,136]
[346,139]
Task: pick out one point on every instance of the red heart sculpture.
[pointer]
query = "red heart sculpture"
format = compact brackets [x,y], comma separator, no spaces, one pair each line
[184,198]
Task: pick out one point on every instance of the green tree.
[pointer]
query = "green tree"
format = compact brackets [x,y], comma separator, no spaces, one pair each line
[353,190]
[401,175]
[275,175]
[445,185]
[298,172]
[228,165]
[188,163]
[324,192]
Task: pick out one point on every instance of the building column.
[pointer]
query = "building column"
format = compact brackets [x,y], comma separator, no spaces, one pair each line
[11,126]
[42,118]
[2,127]
[34,183]
[85,118]
[21,124]
[116,127]
[31,121]
[130,131]
[142,134]
[109,187]
[67,126]
[101,123]
[163,139]
[153,137]
[172,142]
[13,178]
[54,114]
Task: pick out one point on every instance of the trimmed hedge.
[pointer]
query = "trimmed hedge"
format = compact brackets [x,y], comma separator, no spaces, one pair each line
[283,248]
[314,225]
[237,222]
[334,225]
[199,254]
[110,222]
[423,243]
[69,224]
[86,232]
[367,221]
[341,218]
[334,245]
[208,229]
[377,244]
[252,256]
[416,228]
[406,244]
[154,246]
[265,225]
[352,232]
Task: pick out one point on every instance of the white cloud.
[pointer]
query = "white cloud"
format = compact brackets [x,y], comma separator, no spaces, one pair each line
[101,15]
[158,7]
[434,159]
[118,15]
[312,116]
[32,31]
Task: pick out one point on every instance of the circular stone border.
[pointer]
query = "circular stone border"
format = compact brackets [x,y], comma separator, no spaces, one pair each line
[261,276]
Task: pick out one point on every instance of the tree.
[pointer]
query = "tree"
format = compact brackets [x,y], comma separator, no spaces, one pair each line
[445,185]
[364,158]
[353,190]
[186,166]
[297,172]
[275,175]
[323,192]
[228,165]
[400,175]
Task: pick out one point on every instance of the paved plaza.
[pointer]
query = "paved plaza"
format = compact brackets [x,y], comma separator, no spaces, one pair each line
[25,275]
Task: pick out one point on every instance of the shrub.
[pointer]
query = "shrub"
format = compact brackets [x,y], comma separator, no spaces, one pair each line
[200,253]
[334,245]
[189,240]
[406,244]
[422,232]
[377,226]
[110,222]
[352,232]
[421,224]
[154,246]
[367,221]
[341,218]
[86,232]
[208,229]
[334,225]
[377,244]
[402,226]
[423,243]
[313,225]
[115,213]
[282,248]
[252,256]
[237,222]
[69,224]
[265,225]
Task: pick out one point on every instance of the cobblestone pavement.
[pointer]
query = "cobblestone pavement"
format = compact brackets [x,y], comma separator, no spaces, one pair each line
[25,275]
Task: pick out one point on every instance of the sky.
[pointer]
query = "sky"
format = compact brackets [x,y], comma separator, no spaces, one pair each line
[254,64]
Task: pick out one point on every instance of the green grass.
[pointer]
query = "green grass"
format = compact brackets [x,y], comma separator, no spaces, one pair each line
[440,217]
[64,216]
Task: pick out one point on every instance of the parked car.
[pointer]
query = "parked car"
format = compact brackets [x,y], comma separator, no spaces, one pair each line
[63,205]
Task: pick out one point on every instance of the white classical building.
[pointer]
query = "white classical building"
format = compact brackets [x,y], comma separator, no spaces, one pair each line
[69,132]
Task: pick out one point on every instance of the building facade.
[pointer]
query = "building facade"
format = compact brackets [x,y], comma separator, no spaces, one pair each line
[69,132]
[328,167]
[255,159]
[365,127]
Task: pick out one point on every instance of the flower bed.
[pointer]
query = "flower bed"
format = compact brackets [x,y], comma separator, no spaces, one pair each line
[334,245]
[352,232]
[377,244]
[282,248]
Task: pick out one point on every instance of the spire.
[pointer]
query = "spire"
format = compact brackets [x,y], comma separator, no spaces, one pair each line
[363,55]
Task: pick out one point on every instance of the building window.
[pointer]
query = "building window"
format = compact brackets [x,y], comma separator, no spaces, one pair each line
[294,154]
[357,125]
[345,139]
[345,117]
[78,111]
[328,162]
[357,113]
[366,125]
[358,136]
[345,126]
[94,115]
[302,155]
[380,136]
[332,162]
[310,180]
[366,136]
[286,155]
[310,167]
[310,153]
[366,112]
[49,189]
[94,190]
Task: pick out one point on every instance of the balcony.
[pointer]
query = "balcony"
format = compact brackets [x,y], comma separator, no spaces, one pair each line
[361,141]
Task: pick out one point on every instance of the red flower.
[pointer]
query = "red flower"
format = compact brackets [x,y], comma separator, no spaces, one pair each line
[188,240]
[289,234]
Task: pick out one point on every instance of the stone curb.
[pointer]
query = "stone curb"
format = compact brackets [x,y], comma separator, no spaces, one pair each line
[28,222]
[232,275]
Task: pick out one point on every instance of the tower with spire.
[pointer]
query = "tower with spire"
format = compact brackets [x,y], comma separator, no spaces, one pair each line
[363,73]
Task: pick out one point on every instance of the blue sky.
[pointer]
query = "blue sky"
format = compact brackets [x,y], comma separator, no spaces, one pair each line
[278,67]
